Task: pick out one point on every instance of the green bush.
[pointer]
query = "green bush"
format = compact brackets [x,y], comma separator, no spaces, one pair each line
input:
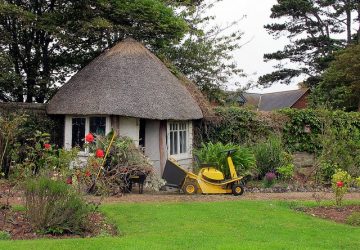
[286,172]
[243,158]
[268,155]
[54,207]
[4,235]
[340,184]
[353,219]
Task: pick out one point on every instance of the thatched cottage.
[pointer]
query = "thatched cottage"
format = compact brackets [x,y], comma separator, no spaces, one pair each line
[129,89]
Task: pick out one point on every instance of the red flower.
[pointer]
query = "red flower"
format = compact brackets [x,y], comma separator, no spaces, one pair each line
[69,180]
[99,153]
[340,184]
[87,173]
[89,138]
[47,146]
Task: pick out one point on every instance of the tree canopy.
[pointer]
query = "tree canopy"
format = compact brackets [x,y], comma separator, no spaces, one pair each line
[316,29]
[204,55]
[340,86]
[43,42]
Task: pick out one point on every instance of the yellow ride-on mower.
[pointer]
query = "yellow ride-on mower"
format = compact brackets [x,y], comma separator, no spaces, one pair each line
[209,180]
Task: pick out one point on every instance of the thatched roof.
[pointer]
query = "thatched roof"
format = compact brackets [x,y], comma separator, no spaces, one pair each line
[126,80]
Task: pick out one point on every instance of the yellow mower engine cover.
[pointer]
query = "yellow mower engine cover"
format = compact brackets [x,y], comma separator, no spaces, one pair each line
[212,174]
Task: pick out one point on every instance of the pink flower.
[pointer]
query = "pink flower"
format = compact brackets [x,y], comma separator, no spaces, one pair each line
[47,146]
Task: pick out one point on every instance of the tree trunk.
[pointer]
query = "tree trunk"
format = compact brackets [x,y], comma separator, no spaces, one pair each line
[358,31]
[348,21]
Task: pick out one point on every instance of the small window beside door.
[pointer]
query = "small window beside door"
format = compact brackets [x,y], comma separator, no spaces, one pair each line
[178,138]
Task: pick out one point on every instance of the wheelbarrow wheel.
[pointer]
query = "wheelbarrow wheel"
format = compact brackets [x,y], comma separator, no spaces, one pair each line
[237,189]
[190,187]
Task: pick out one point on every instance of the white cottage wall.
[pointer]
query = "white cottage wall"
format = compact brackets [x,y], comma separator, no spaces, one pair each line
[152,129]
[129,127]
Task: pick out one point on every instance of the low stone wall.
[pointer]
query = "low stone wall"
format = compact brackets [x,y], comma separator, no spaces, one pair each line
[303,159]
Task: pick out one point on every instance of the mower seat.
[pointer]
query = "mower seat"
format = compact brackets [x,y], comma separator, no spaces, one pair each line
[204,165]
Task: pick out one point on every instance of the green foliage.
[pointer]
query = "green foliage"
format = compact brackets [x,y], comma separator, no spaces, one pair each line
[269,179]
[4,235]
[345,152]
[353,219]
[243,158]
[42,43]
[357,181]
[10,128]
[269,155]
[54,207]
[316,29]
[38,157]
[340,87]
[294,135]
[286,172]
[340,184]
[206,54]
[237,125]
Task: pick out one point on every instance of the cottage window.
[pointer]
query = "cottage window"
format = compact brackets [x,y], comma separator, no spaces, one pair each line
[78,132]
[97,125]
[178,138]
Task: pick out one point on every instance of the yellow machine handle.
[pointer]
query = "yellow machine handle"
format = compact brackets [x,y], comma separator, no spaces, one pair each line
[231,167]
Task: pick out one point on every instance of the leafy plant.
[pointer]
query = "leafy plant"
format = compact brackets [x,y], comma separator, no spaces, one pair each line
[286,172]
[243,158]
[357,181]
[340,184]
[269,179]
[10,127]
[38,157]
[268,155]
[54,207]
[4,235]
[353,219]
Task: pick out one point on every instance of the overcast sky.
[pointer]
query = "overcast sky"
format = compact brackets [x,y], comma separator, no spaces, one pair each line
[250,56]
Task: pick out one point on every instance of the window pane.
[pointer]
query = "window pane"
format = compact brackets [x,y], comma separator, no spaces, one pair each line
[175,142]
[171,143]
[182,142]
[97,125]
[177,138]
[78,132]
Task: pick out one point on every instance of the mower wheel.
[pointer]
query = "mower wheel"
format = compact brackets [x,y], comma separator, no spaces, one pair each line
[190,187]
[237,189]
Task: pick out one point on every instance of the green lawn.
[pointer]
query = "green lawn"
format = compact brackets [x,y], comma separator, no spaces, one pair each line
[217,225]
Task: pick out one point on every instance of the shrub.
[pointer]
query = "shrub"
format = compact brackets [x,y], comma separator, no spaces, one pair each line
[268,155]
[286,172]
[344,153]
[269,179]
[243,158]
[54,207]
[38,157]
[4,235]
[357,181]
[353,219]
[340,184]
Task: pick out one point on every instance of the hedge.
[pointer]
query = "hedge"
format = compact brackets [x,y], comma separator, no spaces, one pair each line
[300,128]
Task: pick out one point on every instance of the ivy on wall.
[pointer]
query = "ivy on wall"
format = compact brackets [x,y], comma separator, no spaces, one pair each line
[300,129]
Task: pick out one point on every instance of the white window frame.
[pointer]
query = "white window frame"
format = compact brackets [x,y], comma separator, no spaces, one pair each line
[68,127]
[188,129]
